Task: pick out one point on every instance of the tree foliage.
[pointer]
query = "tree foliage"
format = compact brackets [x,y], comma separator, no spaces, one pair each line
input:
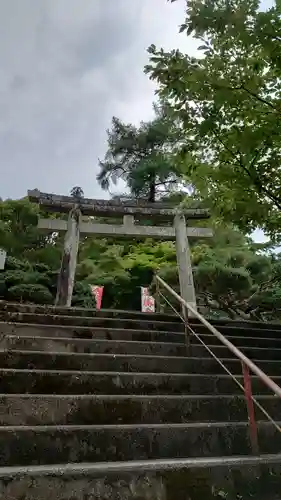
[233,276]
[141,156]
[77,192]
[228,100]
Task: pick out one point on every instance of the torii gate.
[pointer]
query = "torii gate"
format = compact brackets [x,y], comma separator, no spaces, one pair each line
[76,208]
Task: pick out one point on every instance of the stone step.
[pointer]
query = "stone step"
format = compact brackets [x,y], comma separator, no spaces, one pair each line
[29,329]
[80,311]
[130,347]
[95,321]
[252,352]
[24,409]
[13,381]
[241,331]
[262,342]
[116,319]
[126,362]
[242,477]
[39,445]
[77,311]
[249,325]
[93,346]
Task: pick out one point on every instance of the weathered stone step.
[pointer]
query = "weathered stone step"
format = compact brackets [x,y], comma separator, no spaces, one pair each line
[126,362]
[250,325]
[13,381]
[135,335]
[93,346]
[81,311]
[241,331]
[130,347]
[68,444]
[262,342]
[95,321]
[29,329]
[252,352]
[23,409]
[243,477]
[78,311]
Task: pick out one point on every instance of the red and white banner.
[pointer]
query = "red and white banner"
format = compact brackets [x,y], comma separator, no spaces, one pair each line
[97,292]
[147,301]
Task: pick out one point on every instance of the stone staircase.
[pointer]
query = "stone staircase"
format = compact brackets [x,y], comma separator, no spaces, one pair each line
[115,405]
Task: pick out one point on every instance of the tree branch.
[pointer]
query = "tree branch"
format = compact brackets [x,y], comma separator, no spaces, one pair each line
[255,180]
[261,99]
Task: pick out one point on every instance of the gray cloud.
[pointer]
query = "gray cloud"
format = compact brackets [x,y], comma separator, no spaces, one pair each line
[65,68]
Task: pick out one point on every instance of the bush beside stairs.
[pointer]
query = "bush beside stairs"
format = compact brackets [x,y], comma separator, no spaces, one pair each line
[115,405]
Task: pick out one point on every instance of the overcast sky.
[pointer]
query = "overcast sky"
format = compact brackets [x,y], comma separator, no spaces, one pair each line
[67,66]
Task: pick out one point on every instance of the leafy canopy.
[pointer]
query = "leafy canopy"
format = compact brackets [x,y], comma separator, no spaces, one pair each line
[228,100]
[141,156]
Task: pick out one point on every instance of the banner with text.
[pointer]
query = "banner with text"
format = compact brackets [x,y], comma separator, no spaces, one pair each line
[2,258]
[147,301]
[97,292]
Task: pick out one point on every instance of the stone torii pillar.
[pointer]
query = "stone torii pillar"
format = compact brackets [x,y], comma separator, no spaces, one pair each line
[187,289]
[69,259]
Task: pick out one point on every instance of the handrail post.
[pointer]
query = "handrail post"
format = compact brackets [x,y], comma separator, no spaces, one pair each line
[250,408]
[159,307]
[157,297]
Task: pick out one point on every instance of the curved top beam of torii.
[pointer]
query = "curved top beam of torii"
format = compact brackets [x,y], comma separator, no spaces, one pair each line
[115,208]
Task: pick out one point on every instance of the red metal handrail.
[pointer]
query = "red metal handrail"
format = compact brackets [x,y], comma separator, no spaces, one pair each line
[247,365]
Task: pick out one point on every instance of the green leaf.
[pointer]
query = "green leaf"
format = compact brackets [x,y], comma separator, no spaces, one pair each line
[183,27]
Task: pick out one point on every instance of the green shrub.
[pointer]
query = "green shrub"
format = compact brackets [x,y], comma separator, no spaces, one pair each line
[37,278]
[12,263]
[14,277]
[25,292]
[82,295]
[18,276]
[41,268]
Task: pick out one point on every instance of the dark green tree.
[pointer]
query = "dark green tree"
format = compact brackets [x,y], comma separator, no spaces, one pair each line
[77,192]
[141,156]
